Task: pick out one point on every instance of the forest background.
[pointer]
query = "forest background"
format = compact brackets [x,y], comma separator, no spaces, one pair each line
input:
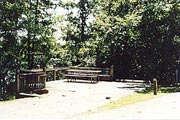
[141,38]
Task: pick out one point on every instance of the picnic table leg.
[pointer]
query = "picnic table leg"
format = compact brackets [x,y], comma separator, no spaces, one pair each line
[68,79]
[97,79]
[71,79]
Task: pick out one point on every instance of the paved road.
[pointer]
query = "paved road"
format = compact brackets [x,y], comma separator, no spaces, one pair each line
[162,108]
[64,100]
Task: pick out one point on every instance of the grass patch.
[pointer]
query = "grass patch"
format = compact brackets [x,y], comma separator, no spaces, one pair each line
[160,90]
[8,98]
[169,89]
[143,95]
[128,100]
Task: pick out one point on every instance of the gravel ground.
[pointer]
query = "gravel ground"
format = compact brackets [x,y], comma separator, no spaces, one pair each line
[66,101]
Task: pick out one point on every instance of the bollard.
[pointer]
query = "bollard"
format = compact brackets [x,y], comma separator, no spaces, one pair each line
[155,86]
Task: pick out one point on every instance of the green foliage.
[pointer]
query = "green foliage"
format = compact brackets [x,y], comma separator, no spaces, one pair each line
[25,28]
[77,32]
[159,28]
[37,23]
[10,12]
[169,89]
[61,57]
[140,38]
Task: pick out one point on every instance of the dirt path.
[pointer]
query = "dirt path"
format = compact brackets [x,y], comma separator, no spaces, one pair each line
[64,100]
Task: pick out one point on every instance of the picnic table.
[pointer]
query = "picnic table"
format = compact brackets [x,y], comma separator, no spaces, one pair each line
[74,74]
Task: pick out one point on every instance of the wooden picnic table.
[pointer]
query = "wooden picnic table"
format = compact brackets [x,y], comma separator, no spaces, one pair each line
[74,74]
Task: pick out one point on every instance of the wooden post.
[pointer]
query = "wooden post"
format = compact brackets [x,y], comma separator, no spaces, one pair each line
[38,67]
[54,75]
[44,70]
[155,86]
[17,83]
[177,77]
[112,72]
[0,86]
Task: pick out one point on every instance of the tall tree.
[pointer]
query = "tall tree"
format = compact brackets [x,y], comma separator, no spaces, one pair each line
[160,37]
[78,30]
[10,12]
[116,30]
[37,22]
[26,28]
[141,38]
